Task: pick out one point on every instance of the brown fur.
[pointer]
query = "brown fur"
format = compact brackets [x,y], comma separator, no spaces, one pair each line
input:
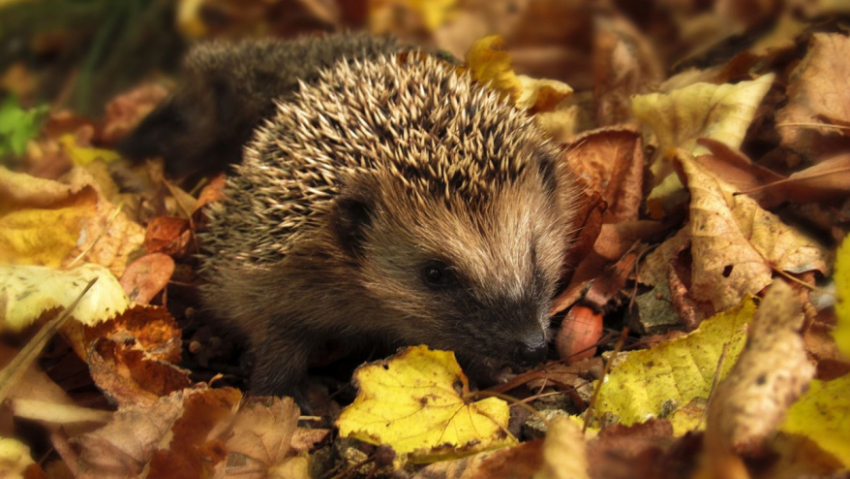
[227,88]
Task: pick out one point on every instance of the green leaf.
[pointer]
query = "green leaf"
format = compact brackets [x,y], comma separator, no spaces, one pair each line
[18,126]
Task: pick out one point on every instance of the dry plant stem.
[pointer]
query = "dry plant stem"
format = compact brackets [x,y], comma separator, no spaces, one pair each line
[811,125]
[513,402]
[19,365]
[792,180]
[589,411]
[350,470]
[801,282]
[59,440]
[714,383]
[185,209]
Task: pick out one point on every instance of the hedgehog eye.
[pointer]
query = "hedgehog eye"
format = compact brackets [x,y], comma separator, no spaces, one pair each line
[437,274]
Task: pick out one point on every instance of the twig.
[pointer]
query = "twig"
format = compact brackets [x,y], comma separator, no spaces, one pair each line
[16,368]
[588,412]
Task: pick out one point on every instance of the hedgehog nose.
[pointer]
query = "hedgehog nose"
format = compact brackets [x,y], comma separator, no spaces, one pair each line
[532,349]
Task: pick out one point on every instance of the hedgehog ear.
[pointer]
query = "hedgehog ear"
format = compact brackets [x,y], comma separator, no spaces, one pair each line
[353,215]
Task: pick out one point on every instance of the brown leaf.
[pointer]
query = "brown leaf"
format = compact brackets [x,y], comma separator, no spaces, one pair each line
[190,453]
[736,168]
[170,431]
[818,90]
[212,192]
[263,437]
[610,161]
[168,235]
[827,181]
[632,452]
[147,276]
[735,244]
[624,63]
[605,262]
[130,356]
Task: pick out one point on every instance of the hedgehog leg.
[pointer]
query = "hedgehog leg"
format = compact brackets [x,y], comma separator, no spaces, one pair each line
[280,364]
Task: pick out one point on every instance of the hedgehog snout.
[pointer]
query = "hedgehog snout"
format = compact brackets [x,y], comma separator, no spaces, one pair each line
[531,348]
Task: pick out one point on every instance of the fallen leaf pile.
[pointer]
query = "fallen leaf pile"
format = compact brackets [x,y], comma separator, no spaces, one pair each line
[703,323]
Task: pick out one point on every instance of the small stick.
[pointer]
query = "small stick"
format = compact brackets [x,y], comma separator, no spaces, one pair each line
[589,410]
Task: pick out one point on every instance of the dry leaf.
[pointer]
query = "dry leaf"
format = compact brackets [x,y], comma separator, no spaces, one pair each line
[641,451]
[264,438]
[735,244]
[673,372]
[827,181]
[147,276]
[41,221]
[131,358]
[624,64]
[818,90]
[734,167]
[168,235]
[610,161]
[189,451]
[564,451]
[166,437]
[681,117]
[490,64]
[770,374]
[125,111]
[15,459]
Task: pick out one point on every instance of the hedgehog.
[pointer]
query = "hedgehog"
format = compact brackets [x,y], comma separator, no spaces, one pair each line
[227,88]
[394,201]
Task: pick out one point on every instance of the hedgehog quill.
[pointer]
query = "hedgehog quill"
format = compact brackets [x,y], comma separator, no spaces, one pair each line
[392,200]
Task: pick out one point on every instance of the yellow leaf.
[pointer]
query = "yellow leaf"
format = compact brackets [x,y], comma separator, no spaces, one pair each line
[823,415]
[417,403]
[45,235]
[48,223]
[28,291]
[434,12]
[189,21]
[384,15]
[842,304]
[81,155]
[674,372]
[14,458]
[541,95]
[489,63]
[702,110]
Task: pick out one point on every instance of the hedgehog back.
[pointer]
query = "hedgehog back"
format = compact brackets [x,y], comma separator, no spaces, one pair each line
[432,128]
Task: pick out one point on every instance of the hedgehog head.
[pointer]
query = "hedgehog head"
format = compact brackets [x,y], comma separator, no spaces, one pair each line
[452,207]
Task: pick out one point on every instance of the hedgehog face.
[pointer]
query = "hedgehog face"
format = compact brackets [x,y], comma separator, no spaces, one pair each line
[470,276]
